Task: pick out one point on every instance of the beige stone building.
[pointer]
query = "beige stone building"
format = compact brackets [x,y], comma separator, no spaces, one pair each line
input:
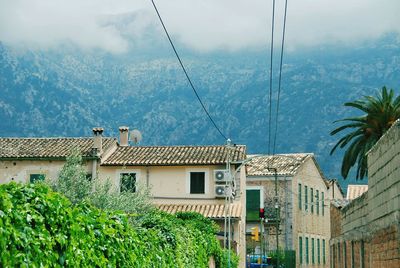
[303,203]
[367,232]
[181,178]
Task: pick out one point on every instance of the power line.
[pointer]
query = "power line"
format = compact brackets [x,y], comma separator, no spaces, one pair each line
[270,77]
[280,78]
[186,74]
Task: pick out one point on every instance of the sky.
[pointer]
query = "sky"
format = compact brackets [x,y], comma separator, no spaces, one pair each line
[202,25]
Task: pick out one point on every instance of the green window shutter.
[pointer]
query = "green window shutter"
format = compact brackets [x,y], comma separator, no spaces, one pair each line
[323,203]
[36,177]
[312,250]
[312,200]
[323,251]
[300,197]
[252,204]
[197,182]
[305,198]
[128,182]
[319,251]
[307,259]
[317,201]
[300,250]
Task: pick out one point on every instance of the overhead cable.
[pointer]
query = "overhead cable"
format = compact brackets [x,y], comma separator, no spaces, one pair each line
[280,77]
[270,76]
[186,73]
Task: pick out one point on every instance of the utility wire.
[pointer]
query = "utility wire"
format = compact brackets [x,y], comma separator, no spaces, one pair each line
[186,74]
[270,77]
[280,78]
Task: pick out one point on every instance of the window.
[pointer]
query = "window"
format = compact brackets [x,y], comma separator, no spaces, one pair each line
[197,182]
[300,250]
[352,254]
[317,201]
[323,251]
[362,254]
[307,259]
[344,255]
[312,250]
[305,198]
[36,177]
[89,176]
[253,203]
[319,251]
[299,196]
[323,203]
[128,182]
[312,200]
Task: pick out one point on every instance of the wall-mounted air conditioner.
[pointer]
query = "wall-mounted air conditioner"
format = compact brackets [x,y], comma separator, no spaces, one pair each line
[221,191]
[221,175]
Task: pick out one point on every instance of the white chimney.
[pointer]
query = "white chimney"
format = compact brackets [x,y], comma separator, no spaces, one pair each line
[123,136]
[98,139]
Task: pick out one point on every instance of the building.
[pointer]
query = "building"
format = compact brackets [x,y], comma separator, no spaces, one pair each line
[303,205]
[368,229]
[181,178]
[355,190]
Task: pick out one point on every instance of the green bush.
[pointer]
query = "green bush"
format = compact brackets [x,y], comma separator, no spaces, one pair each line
[41,228]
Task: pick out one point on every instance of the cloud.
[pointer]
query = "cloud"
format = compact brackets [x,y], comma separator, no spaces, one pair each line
[203,25]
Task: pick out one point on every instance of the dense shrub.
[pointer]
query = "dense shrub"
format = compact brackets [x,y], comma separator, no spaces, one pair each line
[40,228]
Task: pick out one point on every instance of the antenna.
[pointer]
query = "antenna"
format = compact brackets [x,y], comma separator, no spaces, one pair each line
[135,136]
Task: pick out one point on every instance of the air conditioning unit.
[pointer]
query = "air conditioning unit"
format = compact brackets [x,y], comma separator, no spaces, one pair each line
[221,175]
[221,191]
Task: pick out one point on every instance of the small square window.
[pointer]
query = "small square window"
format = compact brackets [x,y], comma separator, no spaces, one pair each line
[128,182]
[36,177]
[197,182]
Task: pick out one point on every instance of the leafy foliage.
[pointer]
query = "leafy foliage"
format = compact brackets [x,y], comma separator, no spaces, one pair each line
[40,228]
[75,185]
[380,114]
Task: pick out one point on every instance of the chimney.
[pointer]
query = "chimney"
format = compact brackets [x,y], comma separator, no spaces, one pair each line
[98,139]
[123,136]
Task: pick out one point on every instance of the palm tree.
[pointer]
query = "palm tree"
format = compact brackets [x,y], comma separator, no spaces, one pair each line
[380,114]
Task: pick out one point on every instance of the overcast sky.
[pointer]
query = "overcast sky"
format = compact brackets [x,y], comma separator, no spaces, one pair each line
[203,25]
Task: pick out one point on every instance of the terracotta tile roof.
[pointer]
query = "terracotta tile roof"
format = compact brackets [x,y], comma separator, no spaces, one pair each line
[286,164]
[47,147]
[354,191]
[173,155]
[213,211]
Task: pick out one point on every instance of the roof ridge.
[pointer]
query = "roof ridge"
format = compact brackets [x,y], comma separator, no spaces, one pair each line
[49,138]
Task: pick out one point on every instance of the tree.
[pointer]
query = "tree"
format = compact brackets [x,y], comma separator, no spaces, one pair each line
[74,183]
[381,112]
[72,180]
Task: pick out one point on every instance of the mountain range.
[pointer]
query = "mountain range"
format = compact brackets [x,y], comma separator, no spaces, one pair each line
[69,91]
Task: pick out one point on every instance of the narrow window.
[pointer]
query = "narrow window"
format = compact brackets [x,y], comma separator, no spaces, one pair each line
[197,182]
[317,201]
[128,182]
[36,177]
[323,203]
[362,254]
[305,198]
[307,259]
[319,251]
[323,251]
[312,250]
[312,200]
[352,254]
[345,254]
[301,250]
[300,197]
[339,254]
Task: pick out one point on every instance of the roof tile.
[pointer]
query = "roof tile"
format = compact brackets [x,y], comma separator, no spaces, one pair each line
[286,164]
[173,155]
